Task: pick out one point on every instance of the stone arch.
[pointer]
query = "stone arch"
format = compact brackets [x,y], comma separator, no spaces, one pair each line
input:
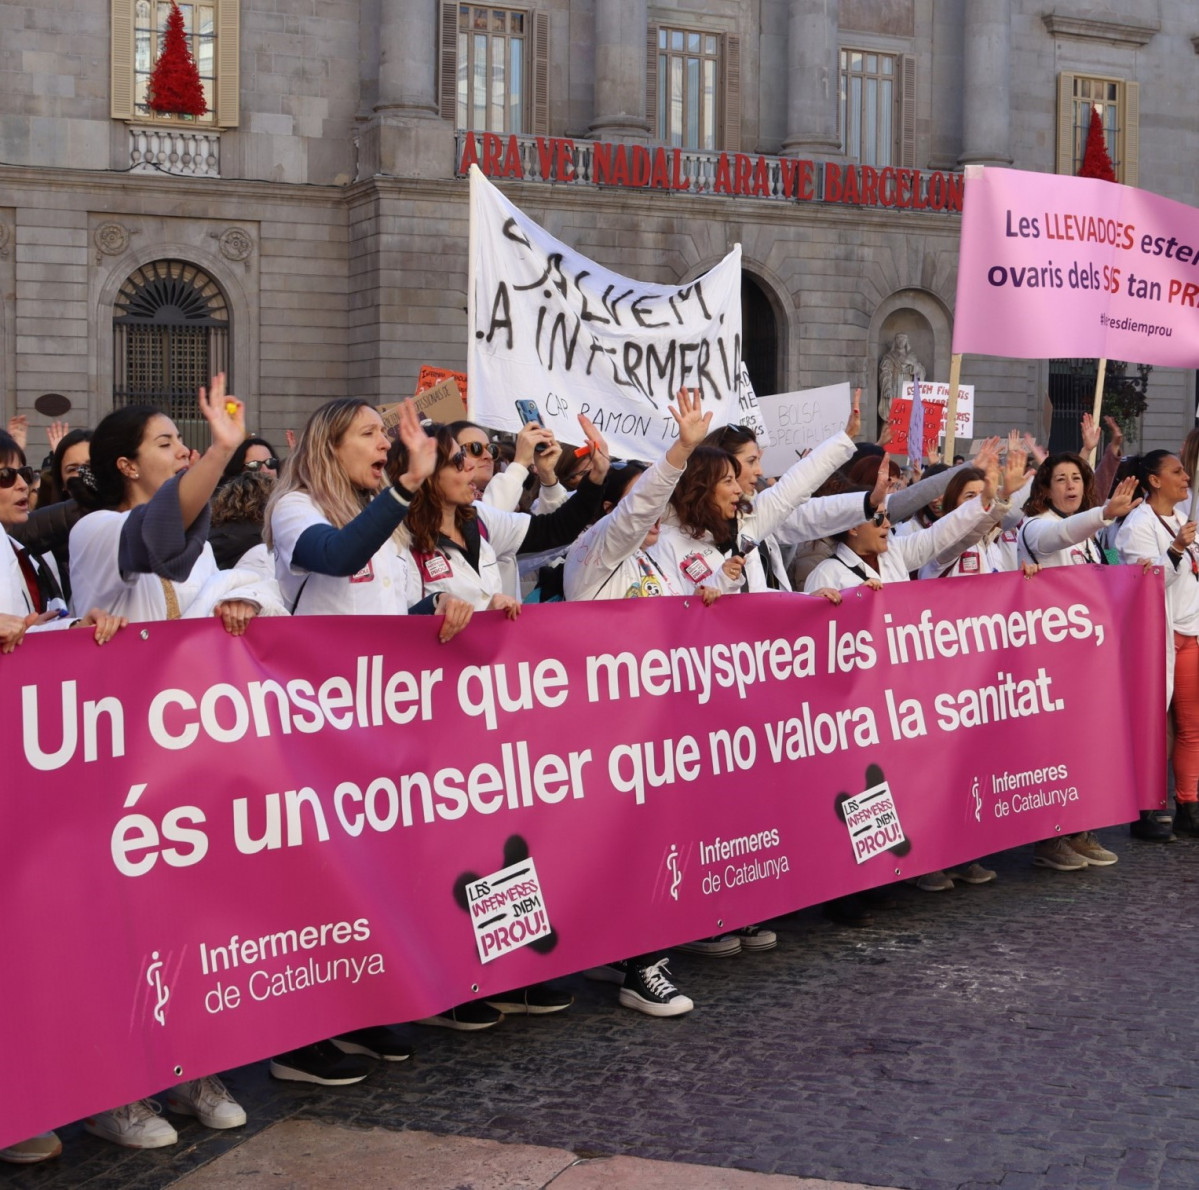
[243,319]
[926,320]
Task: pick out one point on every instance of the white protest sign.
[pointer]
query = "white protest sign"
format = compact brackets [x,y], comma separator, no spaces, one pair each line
[872,821]
[507,910]
[749,414]
[550,326]
[800,421]
[937,391]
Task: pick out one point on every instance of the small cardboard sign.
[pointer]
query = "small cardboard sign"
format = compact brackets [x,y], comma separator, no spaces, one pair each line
[872,821]
[507,910]
[442,403]
[430,377]
[937,391]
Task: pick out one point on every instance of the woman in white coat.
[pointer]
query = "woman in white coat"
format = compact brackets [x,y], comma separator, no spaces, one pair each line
[1158,533]
[1063,515]
[141,552]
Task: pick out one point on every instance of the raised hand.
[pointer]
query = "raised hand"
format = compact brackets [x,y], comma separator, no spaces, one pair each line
[1123,500]
[224,413]
[693,426]
[1115,435]
[1013,470]
[600,461]
[853,427]
[545,462]
[1090,434]
[18,428]
[1039,453]
[532,435]
[56,431]
[422,450]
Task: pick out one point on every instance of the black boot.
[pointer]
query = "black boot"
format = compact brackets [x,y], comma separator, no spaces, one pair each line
[1153,826]
[1186,818]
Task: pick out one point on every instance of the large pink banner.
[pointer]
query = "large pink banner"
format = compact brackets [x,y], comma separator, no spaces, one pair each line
[216,849]
[1053,265]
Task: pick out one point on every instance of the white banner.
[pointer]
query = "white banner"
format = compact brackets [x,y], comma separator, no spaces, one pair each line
[551,327]
[800,421]
[937,391]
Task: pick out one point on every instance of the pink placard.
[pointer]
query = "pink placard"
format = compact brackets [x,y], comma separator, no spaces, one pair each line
[217,849]
[1053,266]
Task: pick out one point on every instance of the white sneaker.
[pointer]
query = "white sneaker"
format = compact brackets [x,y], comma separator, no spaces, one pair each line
[137,1125]
[207,1100]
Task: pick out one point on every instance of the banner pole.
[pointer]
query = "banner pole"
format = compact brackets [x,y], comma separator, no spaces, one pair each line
[1099,376]
[471,248]
[951,408]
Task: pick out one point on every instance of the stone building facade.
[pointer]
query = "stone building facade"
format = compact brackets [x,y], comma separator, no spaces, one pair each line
[310,232]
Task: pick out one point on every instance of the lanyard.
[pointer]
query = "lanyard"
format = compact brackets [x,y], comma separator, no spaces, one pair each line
[1174,532]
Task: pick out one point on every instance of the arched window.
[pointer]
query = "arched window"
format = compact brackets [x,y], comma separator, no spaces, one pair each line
[759,337]
[170,336]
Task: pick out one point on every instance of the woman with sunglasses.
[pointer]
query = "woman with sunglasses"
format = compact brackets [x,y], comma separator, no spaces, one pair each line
[458,544]
[869,554]
[30,597]
[256,455]
[784,514]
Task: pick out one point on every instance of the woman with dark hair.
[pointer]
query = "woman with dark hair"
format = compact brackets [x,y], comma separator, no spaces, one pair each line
[988,552]
[1158,533]
[254,454]
[72,452]
[458,543]
[141,551]
[30,597]
[238,514]
[869,554]
[784,514]
[612,558]
[1063,514]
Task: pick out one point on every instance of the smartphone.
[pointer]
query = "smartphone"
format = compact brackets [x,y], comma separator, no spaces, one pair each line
[527,411]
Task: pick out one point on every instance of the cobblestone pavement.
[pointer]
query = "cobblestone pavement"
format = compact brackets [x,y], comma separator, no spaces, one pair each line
[1030,1035]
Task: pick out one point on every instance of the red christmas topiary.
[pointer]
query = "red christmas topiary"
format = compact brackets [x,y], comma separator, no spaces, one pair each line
[174,85]
[1096,163]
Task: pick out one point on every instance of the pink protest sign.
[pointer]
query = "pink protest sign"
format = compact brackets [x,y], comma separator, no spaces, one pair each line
[1053,265]
[216,849]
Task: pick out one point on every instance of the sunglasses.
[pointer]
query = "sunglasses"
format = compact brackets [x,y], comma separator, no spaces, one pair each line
[271,464]
[9,476]
[879,519]
[477,450]
[458,461]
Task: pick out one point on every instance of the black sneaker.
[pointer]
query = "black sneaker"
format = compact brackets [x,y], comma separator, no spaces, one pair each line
[535,1000]
[376,1042]
[1154,826]
[468,1017]
[649,990]
[321,1063]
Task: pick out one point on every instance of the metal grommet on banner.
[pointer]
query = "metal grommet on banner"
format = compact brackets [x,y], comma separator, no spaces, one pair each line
[896,871]
[1057,828]
[145,634]
[178,1071]
[474,987]
[720,923]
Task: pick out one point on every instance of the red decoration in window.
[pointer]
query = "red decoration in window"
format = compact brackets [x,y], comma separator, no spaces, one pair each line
[174,85]
[1096,162]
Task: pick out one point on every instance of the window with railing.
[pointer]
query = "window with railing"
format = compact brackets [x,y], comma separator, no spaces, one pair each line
[868,101]
[688,74]
[491,72]
[1118,103]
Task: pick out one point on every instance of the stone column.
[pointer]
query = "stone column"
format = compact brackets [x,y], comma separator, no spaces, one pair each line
[813,74]
[986,83]
[408,46]
[620,31]
[405,135]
